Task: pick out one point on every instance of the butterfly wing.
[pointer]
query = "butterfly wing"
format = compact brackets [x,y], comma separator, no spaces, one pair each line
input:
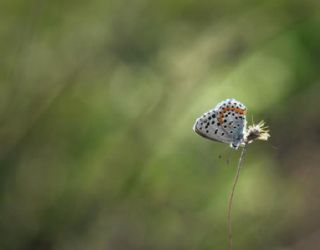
[234,127]
[225,123]
[231,115]
[209,127]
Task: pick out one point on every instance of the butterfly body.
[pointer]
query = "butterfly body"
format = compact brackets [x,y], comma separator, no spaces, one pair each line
[225,123]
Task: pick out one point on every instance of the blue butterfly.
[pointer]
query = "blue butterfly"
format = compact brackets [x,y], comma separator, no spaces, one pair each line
[225,123]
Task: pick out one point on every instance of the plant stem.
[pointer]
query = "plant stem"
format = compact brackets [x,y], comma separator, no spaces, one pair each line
[229,221]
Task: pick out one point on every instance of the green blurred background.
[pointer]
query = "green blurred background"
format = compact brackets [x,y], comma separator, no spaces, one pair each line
[98,100]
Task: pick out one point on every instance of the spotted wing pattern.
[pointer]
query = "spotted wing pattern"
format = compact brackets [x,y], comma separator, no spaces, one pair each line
[225,123]
[209,127]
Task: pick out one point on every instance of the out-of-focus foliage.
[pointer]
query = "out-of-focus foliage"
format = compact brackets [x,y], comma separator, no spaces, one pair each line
[97,103]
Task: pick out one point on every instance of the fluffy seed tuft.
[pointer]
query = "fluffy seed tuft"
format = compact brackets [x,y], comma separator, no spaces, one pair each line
[256,132]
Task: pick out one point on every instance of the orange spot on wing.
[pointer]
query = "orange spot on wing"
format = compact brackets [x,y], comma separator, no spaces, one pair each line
[237,110]
[221,118]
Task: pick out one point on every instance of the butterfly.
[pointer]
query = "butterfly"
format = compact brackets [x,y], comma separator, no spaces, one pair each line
[225,123]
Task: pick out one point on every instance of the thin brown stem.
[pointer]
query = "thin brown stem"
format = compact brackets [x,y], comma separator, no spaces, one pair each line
[229,221]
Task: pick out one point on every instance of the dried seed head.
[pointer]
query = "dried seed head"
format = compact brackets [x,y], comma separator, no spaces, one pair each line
[256,132]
